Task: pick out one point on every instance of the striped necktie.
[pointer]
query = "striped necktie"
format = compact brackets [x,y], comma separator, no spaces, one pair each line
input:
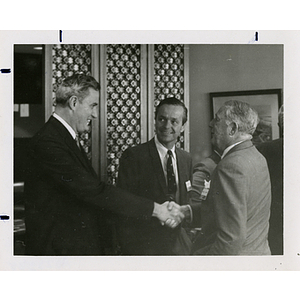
[172,187]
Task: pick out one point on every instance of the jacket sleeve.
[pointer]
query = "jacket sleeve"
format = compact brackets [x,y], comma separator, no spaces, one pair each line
[230,208]
[56,162]
[128,174]
[202,171]
[195,206]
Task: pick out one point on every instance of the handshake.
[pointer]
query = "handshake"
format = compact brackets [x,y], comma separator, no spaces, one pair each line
[170,213]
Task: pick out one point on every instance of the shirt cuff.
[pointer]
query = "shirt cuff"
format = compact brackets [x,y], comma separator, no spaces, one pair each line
[189,214]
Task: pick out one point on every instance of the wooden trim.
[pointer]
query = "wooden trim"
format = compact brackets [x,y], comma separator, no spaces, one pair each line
[103,116]
[150,103]
[95,70]
[186,97]
[144,116]
[48,100]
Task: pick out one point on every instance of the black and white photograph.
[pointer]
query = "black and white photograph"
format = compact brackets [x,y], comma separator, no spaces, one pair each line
[129,152]
[116,192]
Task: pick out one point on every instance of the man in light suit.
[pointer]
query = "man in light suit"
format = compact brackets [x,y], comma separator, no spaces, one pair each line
[67,206]
[143,172]
[240,193]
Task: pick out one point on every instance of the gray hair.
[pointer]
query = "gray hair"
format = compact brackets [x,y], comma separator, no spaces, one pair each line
[242,114]
[75,85]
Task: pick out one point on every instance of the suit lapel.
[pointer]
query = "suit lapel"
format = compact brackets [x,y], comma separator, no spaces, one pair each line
[77,151]
[182,171]
[88,163]
[71,143]
[158,169]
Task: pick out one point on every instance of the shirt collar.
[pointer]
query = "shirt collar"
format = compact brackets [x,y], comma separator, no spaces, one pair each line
[162,150]
[229,148]
[68,127]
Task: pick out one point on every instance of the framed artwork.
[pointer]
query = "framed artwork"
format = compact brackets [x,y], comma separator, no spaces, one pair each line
[265,102]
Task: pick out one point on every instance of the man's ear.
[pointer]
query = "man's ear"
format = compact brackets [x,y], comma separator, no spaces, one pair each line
[72,102]
[233,128]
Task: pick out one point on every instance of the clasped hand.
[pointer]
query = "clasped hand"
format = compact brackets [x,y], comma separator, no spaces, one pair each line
[169,214]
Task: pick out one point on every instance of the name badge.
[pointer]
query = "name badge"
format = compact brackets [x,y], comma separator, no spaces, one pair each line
[188,185]
[205,190]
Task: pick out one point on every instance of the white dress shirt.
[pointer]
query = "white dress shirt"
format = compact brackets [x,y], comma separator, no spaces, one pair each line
[68,127]
[163,154]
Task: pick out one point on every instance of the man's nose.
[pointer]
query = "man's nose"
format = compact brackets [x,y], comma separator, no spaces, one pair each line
[211,123]
[94,113]
[167,124]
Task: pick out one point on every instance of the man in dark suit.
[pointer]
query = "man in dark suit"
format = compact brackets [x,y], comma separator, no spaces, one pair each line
[67,205]
[240,192]
[144,170]
[273,152]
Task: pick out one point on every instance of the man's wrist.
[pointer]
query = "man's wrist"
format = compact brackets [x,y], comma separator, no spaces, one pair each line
[155,210]
[186,210]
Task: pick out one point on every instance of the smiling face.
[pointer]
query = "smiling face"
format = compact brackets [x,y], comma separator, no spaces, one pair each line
[220,131]
[168,124]
[86,110]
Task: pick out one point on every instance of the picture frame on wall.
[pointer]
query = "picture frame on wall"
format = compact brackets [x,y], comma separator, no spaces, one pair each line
[265,102]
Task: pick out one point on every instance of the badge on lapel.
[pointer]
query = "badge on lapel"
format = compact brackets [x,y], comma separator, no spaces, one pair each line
[205,190]
[188,185]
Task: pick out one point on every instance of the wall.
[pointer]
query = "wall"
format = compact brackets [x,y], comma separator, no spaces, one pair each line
[26,127]
[28,89]
[221,68]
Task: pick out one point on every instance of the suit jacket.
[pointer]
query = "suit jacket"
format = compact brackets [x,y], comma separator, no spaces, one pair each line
[141,173]
[240,198]
[273,152]
[66,204]
[202,172]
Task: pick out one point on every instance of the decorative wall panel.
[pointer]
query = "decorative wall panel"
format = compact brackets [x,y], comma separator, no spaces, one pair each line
[169,75]
[69,59]
[126,78]
[123,77]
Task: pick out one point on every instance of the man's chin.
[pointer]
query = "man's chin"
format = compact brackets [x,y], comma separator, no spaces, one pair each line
[88,129]
[167,142]
[165,138]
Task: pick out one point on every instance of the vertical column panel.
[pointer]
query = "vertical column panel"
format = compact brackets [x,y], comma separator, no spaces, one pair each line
[48,82]
[123,90]
[168,76]
[144,94]
[95,136]
[151,96]
[68,59]
[103,115]
[186,96]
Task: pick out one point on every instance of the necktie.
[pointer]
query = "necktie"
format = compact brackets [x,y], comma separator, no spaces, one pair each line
[77,141]
[170,175]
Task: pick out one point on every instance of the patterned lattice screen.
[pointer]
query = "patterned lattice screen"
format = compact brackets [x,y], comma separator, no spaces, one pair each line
[123,74]
[67,60]
[123,90]
[169,75]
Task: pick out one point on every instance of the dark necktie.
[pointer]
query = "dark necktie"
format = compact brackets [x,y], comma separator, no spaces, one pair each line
[171,175]
[77,141]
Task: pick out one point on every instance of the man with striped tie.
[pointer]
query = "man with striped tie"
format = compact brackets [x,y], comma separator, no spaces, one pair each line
[158,169]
